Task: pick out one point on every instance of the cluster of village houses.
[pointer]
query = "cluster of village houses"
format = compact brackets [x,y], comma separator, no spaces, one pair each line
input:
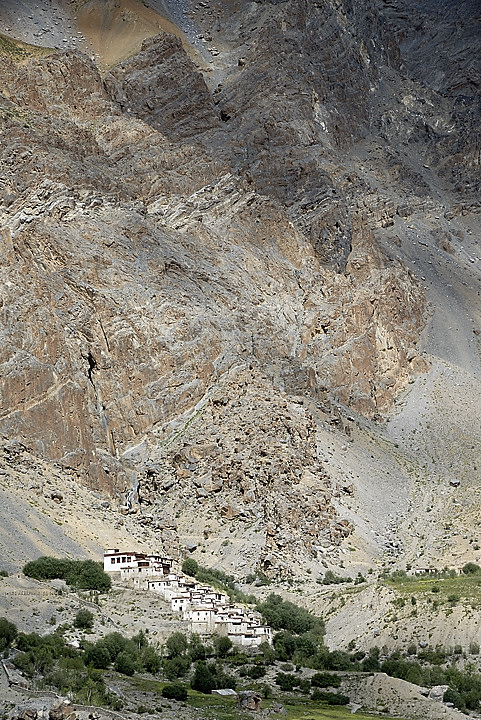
[206,610]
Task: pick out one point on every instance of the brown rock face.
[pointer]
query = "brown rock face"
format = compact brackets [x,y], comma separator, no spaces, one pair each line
[180,267]
[162,86]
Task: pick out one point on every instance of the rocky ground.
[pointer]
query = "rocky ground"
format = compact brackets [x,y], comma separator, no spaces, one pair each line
[240,310]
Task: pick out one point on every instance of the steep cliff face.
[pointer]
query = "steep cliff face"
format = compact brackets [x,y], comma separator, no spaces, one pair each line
[177,246]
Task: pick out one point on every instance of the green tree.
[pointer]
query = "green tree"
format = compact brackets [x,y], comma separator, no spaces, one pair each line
[453,696]
[81,574]
[8,633]
[190,567]
[177,667]
[286,681]
[84,619]
[197,650]
[176,644]
[222,645]
[203,679]
[97,655]
[115,643]
[124,664]
[150,660]
[175,691]
[284,615]
[471,569]
[325,679]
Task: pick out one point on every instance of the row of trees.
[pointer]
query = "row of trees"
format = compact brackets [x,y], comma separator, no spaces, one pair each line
[79,574]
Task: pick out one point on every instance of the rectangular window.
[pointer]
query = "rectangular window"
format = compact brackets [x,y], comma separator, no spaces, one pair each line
[118,560]
[112,561]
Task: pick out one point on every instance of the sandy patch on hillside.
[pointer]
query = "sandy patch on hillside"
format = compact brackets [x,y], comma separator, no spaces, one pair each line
[116,30]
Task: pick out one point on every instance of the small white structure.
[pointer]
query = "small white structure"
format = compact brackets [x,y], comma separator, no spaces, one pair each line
[115,561]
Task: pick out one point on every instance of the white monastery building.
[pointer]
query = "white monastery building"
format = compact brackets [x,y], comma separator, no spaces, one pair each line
[204,608]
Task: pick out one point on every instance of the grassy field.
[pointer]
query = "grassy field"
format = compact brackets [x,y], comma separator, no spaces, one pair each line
[225,708]
[463,586]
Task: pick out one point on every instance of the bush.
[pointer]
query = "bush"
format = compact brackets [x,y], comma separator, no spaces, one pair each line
[115,643]
[203,679]
[176,667]
[24,663]
[175,691]
[124,664]
[197,650]
[283,615]
[325,679]
[452,696]
[329,697]
[222,645]
[338,660]
[266,691]
[98,656]
[190,567]
[84,620]
[330,578]
[80,574]
[286,681]
[471,569]
[8,633]
[150,660]
[176,644]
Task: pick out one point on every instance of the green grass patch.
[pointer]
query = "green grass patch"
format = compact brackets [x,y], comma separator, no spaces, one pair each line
[462,586]
[19,51]
[313,711]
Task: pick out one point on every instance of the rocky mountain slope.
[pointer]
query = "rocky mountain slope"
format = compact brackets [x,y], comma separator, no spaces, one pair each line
[240,278]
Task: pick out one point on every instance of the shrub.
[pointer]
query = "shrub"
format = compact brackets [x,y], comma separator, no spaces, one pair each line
[24,663]
[124,664]
[338,660]
[190,567]
[98,656]
[150,660]
[284,615]
[286,681]
[197,650]
[203,679]
[256,671]
[81,574]
[370,664]
[88,575]
[454,697]
[3,573]
[48,568]
[8,633]
[115,643]
[329,697]
[471,569]
[176,667]
[222,645]
[325,679]
[305,686]
[176,644]
[330,578]
[175,691]
[84,620]
[266,691]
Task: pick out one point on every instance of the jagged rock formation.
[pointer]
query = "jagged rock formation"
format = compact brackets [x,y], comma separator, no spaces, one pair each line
[174,250]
